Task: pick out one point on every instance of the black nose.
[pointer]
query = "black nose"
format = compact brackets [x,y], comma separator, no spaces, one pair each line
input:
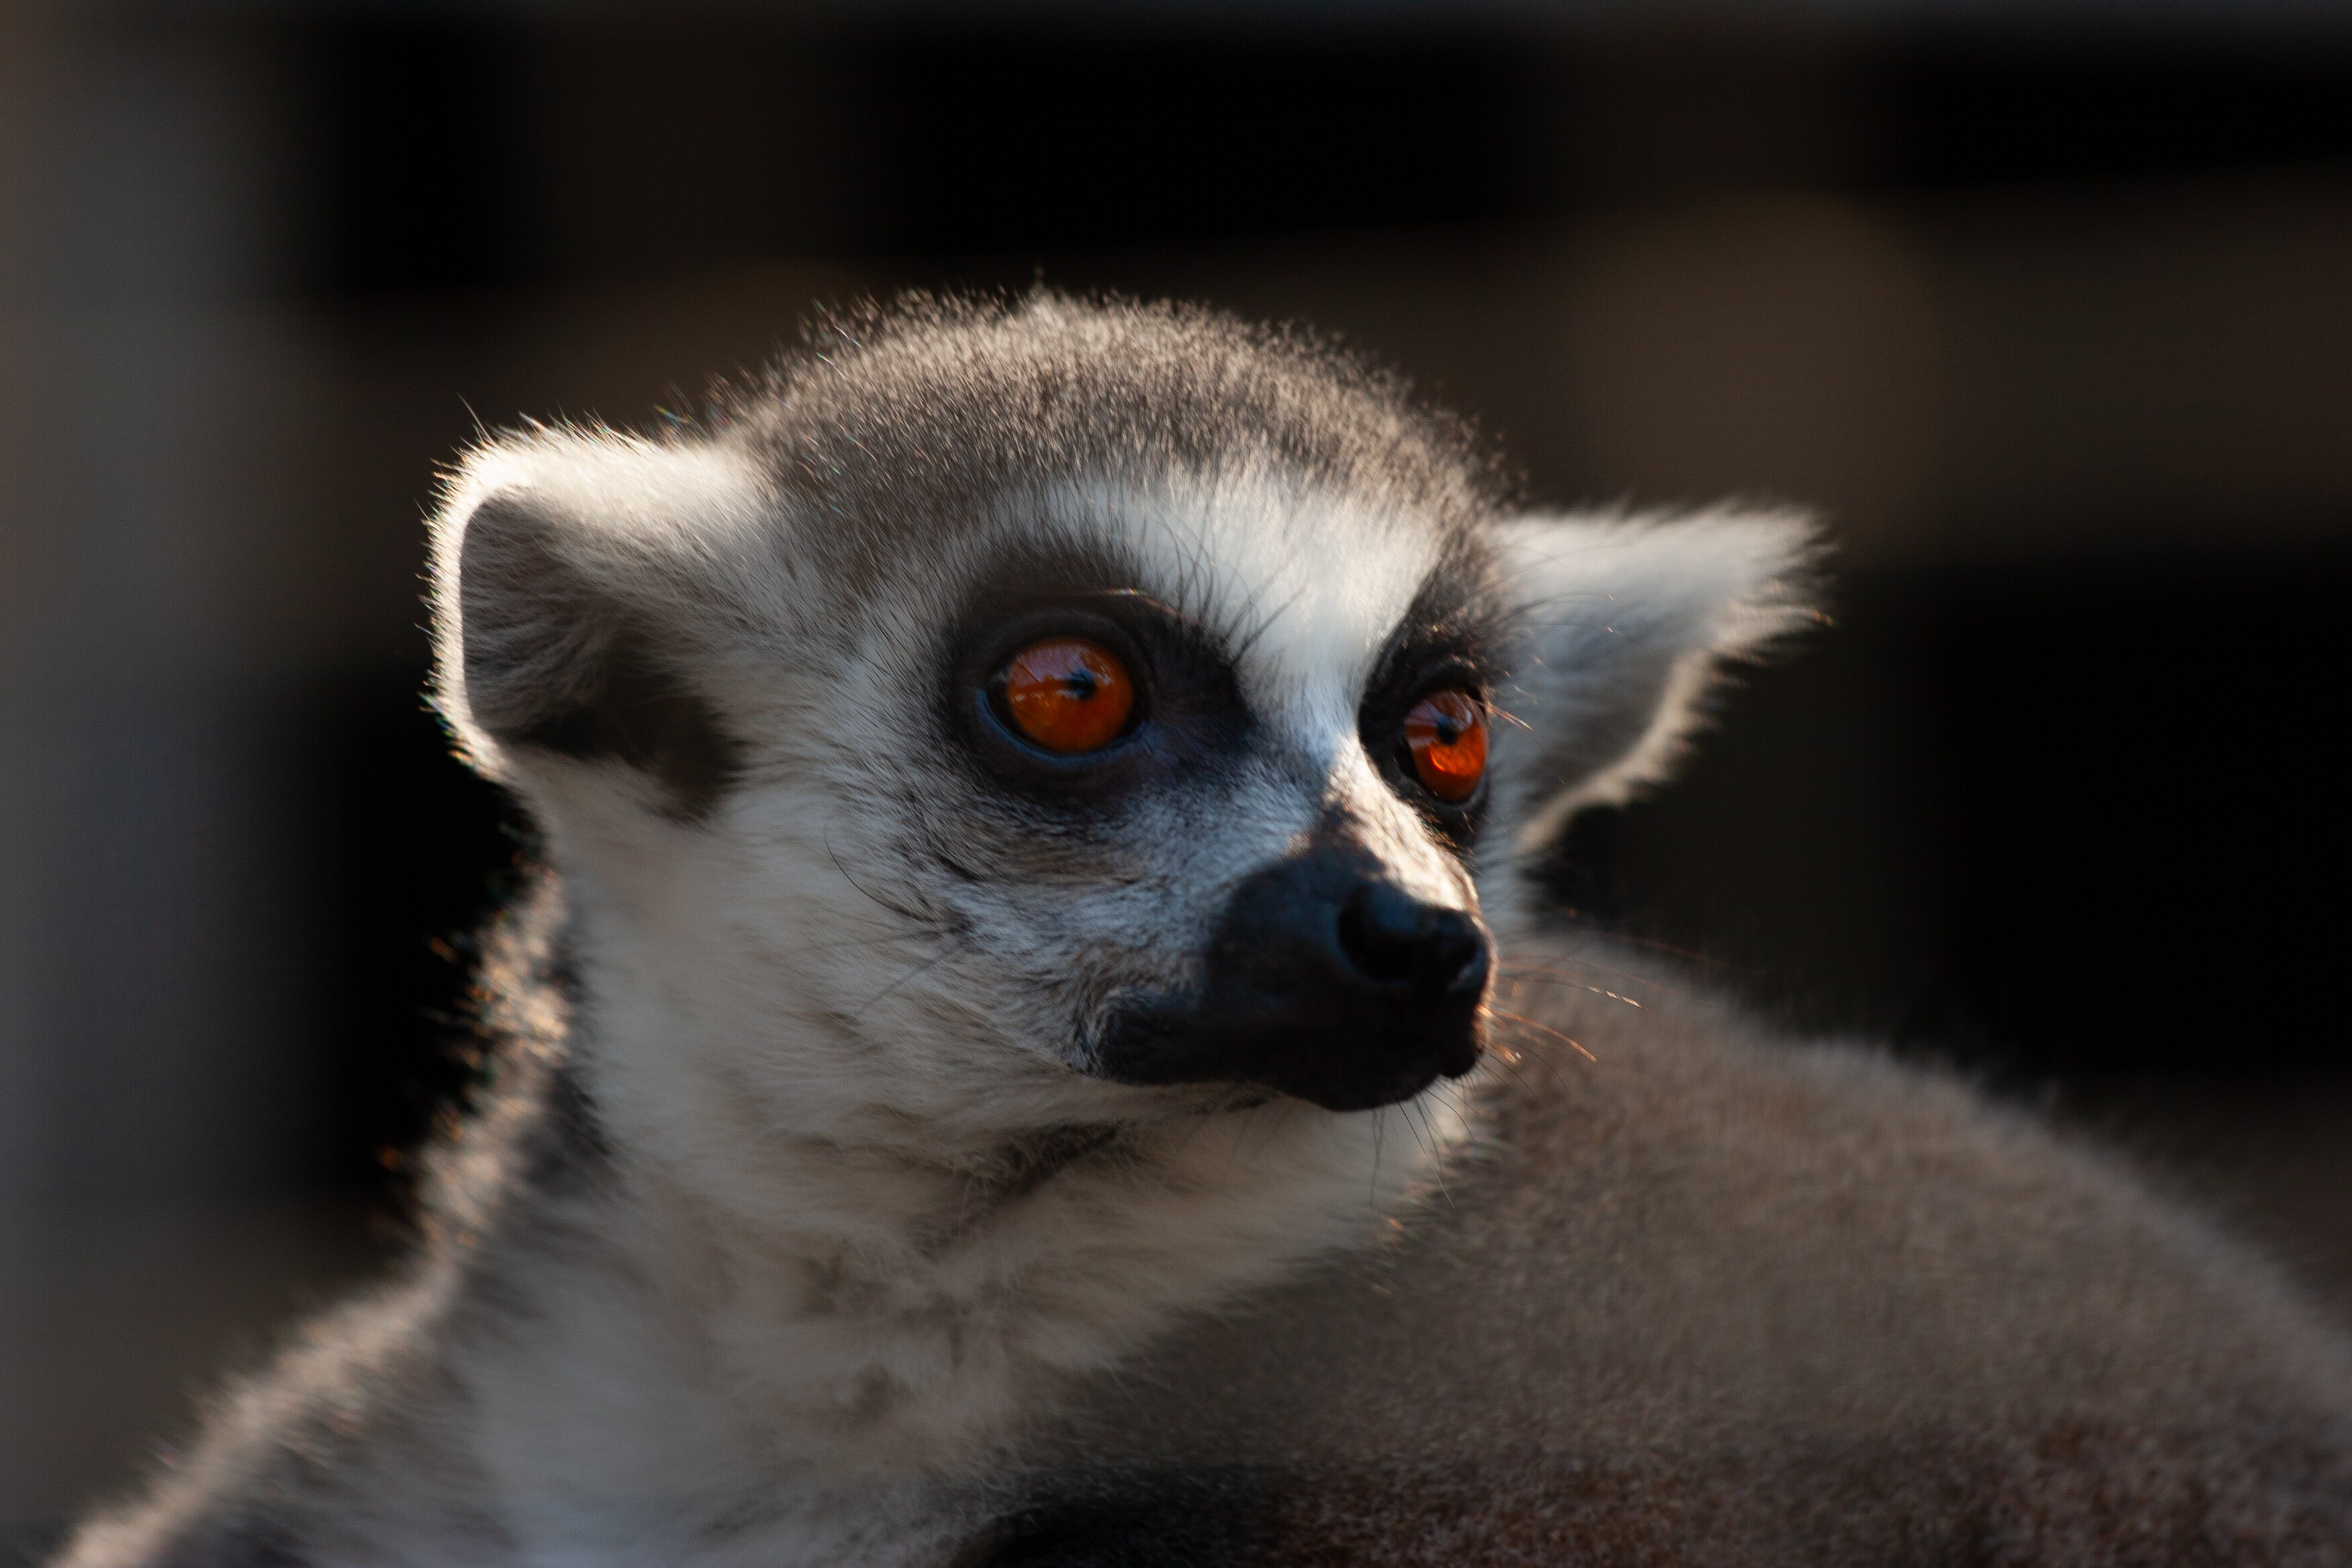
[1325,980]
[1427,950]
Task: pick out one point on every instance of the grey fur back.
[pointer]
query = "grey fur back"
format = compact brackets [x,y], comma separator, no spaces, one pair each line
[1713,1296]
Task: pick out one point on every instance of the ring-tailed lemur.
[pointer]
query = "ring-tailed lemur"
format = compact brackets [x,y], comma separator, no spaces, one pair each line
[1032,1048]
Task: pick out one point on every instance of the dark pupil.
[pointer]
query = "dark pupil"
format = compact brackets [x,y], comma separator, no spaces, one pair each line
[1448,732]
[1081,685]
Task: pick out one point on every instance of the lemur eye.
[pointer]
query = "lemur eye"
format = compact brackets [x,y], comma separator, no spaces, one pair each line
[1446,733]
[1067,694]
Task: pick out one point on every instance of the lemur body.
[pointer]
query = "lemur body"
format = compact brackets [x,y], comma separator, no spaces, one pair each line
[919,1141]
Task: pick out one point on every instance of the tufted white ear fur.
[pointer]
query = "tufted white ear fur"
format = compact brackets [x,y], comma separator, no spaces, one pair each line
[1622,622]
[570,573]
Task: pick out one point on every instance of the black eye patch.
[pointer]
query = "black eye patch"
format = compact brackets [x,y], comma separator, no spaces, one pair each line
[1450,639]
[1189,714]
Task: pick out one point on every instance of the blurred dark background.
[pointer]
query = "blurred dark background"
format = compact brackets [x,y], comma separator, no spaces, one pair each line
[2049,309]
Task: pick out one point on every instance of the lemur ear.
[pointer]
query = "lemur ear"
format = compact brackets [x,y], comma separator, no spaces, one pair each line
[566,602]
[1623,623]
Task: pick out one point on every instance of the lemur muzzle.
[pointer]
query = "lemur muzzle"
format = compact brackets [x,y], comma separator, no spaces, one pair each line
[1326,980]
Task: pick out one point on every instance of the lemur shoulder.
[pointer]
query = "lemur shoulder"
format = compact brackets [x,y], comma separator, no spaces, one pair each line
[1033,1044]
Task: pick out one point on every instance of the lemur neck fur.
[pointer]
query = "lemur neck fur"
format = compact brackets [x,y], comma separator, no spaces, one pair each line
[865,1291]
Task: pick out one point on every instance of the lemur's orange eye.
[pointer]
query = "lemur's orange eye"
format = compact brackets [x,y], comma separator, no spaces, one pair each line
[1067,694]
[1446,732]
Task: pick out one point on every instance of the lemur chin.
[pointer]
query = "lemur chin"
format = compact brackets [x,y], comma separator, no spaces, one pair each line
[1034,1045]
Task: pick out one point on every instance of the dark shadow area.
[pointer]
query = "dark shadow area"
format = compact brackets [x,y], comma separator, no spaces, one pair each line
[449,149]
[2074,833]
[410,855]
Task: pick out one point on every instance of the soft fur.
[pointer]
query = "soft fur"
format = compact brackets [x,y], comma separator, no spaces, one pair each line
[799,1226]
[1705,1295]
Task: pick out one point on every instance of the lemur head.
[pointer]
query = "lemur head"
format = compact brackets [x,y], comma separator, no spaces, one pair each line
[1014,715]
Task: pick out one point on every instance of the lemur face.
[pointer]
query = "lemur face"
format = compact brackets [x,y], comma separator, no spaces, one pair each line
[1045,715]
[1159,761]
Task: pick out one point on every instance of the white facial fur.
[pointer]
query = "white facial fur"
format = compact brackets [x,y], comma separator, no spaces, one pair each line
[827,1008]
[792,1016]
[794,914]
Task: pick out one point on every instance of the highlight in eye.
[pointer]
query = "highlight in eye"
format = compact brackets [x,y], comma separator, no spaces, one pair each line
[1067,694]
[1446,733]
